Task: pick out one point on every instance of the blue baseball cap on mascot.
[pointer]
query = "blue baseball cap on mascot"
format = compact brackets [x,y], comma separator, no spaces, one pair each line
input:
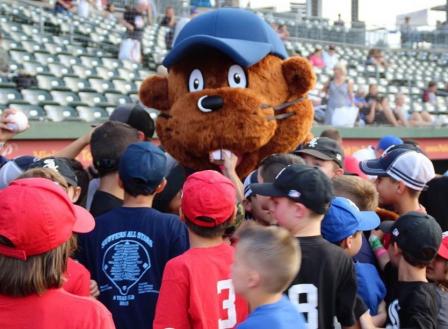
[240,34]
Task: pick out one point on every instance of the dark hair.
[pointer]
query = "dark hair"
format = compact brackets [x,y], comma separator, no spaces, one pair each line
[432,84]
[434,200]
[37,274]
[83,180]
[108,143]
[331,133]
[209,232]
[429,253]
[136,186]
[273,164]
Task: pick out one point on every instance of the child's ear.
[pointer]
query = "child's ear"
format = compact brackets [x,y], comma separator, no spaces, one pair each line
[347,242]
[401,188]
[247,205]
[253,279]
[161,186]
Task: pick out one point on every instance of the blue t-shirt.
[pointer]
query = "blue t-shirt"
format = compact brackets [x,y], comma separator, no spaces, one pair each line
[370,286]
[280,315]
[126,254]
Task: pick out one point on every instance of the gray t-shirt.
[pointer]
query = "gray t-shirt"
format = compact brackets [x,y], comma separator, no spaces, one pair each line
[442,300]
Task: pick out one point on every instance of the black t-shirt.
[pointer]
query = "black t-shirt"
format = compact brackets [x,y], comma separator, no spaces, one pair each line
[325,286]
[415,307]
[103,202]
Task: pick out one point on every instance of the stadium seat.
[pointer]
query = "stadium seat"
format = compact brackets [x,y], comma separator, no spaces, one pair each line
[93,99]
[66,98]
[8,95]
[102,86]
[61,113]
[20,56]
[50,82]
[33,112]
[37,97]
[92,114]
[116,99]
[77,84]
[125,87]
[60,70]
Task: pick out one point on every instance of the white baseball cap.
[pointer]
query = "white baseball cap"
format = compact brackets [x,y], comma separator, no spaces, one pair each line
[413,168]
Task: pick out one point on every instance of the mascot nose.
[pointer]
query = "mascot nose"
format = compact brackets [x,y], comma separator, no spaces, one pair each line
[210,103]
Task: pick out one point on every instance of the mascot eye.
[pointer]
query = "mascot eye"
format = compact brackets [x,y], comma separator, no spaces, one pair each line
[196,81]
[237,77]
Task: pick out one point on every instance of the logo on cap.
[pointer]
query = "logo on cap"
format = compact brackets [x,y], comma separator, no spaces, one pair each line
[294,194]
[51,164]
[395,232]
[313,142]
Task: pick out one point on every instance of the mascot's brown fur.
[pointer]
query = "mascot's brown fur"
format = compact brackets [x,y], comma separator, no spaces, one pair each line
[247,124]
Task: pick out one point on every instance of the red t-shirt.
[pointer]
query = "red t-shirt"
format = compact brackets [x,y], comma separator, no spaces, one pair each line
[55,309]
[77,279]
[197,291]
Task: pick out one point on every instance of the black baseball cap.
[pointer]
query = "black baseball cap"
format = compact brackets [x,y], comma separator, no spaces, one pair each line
[415,233]
[61,165]
[301,183]
[135,115]
[323,148]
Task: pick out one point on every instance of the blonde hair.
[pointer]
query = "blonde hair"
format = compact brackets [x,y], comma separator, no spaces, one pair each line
[273,252]
[342,67]
[47,173]
[361,191]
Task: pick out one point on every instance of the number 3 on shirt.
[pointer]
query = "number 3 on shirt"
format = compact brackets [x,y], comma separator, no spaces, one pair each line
[227,304]
[310,307]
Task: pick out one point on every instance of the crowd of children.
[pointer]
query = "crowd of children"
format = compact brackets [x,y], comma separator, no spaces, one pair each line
[301,242]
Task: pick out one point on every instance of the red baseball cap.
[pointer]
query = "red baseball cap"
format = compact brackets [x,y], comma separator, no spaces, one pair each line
[351,166]
[443,250]
[208,194]
[37,216]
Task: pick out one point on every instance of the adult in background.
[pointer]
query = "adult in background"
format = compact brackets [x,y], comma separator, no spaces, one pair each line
[316,58]
[406,118]
[339,91]
[330,57]
[4,59]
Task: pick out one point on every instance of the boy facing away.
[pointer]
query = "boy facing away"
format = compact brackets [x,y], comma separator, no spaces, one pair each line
[266,261]
[127,251]
[326,284]
[197,290]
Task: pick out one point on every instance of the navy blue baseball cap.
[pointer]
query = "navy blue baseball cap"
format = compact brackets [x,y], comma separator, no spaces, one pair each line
[238,33]
[142,164]
[344,218]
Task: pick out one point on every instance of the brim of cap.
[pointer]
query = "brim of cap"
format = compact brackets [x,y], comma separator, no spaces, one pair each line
[369,220]
[243,52]
[315,154]
[267,189]
[84,220]
[372,167]
[443,250]
[386,226]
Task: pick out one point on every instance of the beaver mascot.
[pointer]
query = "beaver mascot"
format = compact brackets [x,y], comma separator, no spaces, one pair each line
[230,87]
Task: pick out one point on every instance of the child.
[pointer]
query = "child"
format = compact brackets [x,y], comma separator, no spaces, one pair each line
[266,261]
[402,174]
[437,272]
[324,153]
[197,290]
[36,223]
[343,225]
[127,251]
[416,238]
[326,284]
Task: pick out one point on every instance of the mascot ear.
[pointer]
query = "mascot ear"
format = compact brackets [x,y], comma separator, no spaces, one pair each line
[154,93]
[299,75]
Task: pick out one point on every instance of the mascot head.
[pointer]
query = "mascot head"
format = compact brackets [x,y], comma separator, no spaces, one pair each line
[230,87]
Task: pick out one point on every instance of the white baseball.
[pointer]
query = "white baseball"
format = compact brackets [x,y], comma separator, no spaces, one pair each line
[18,121]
